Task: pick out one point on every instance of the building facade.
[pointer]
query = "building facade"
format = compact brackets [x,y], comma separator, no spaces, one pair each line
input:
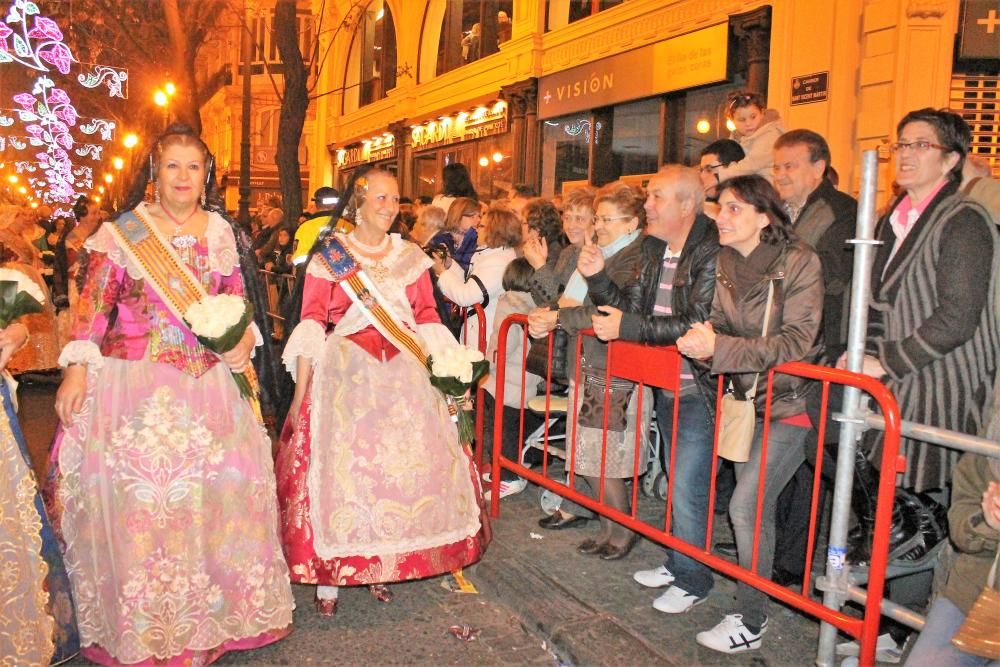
[558,92]
[222,113]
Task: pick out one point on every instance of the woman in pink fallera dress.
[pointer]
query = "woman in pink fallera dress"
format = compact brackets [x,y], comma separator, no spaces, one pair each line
[162,481]
[373,483]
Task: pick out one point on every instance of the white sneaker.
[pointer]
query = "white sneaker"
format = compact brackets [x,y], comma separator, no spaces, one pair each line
[731,636]
[676,600]
[658,577]
[508,488]
[886,649]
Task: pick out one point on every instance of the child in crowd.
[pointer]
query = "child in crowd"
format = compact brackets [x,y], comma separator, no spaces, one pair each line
[515,299]
[757,128]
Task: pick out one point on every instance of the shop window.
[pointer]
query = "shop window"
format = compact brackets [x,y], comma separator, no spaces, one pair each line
[492,172]
[470,30]
[563,12]
[376,38]
[566,152]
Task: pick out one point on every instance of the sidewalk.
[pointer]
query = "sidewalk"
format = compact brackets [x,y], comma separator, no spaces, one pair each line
[591,612]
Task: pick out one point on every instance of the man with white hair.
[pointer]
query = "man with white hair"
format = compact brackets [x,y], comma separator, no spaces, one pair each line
[673,291]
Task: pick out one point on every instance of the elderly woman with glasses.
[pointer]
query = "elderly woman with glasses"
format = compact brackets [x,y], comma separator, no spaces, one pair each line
[615,256]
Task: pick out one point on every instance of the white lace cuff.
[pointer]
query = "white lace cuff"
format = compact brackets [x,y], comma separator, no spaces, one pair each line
[306,341]
[81,352]
[436,337]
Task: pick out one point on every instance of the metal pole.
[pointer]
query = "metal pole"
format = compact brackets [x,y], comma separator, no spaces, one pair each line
[890,609]
[244,212]
[940,436]
[850,430]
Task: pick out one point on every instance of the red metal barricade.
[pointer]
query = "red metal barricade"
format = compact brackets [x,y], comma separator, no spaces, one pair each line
[659,367]
[480,392]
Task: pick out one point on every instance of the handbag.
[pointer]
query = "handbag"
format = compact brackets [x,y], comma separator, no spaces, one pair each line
[538,357]
[738,418]
[979,633]
[595,387]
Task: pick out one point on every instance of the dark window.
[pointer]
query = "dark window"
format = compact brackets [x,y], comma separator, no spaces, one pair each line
[377,32]
[581,9]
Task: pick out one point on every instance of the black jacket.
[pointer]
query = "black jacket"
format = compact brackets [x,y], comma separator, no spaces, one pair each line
[691,298]
[694,287]
[826,222]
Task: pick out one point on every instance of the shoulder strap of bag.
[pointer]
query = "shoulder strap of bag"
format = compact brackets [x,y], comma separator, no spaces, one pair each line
[479,281]
[763,332]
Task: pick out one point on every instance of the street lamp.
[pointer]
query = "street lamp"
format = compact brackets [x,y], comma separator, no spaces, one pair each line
[131,140]
[118,163]
[162,99]
[108,178]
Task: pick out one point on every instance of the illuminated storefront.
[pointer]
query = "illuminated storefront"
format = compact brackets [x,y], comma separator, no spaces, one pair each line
[478,138]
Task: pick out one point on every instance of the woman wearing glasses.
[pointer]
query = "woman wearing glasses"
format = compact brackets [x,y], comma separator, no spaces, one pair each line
[616,257]
[932,329]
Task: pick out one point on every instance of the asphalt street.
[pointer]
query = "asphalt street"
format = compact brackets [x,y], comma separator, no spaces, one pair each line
[538,602]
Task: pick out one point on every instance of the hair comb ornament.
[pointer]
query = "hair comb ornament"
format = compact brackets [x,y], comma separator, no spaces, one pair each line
[361,184]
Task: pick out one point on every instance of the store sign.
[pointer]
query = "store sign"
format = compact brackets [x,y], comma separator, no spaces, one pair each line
[465,126]
[980,30]
[810,88]
[694,59]
[370,150]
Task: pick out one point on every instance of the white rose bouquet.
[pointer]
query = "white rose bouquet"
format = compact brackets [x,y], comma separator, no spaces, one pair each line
[455,371]
[219,321]
[19,295]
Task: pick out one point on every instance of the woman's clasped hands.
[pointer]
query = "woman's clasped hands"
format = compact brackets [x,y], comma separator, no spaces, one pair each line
[698,342]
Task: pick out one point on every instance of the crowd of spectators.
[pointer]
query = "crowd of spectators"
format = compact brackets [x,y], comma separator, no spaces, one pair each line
[743,263]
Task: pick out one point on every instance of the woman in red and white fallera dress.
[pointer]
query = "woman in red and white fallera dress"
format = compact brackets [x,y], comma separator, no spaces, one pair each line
[373,483]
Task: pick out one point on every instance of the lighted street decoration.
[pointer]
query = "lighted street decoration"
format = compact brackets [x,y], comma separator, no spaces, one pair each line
[116,79]
[33,47]
[105,127]
[93,150]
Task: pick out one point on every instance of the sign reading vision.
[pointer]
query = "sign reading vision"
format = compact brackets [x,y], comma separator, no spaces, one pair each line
[694,59]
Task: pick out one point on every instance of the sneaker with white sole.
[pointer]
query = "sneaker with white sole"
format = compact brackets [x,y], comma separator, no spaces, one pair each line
[658,577]
[510,488]
[676,600]
[731,636]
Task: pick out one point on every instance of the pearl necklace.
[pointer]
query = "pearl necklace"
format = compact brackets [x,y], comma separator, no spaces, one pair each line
[178,240]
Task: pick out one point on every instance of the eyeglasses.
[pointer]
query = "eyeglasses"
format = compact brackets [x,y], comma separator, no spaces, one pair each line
[605,219]
[916,146]
[710,168]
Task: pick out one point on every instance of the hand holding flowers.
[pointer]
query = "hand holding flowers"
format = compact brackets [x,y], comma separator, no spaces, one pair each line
[454,372]
[221,323]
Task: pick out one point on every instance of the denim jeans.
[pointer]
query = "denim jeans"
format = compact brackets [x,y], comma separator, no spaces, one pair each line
[934,647]
[785,453]
[690,485]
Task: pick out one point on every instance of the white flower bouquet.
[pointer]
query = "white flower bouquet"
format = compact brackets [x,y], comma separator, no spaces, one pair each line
[455,371]
[19,295]
[219,321]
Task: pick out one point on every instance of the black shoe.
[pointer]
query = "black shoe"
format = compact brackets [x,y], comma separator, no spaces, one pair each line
[558,521]
[611,552]
[590,546]
[726,549]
